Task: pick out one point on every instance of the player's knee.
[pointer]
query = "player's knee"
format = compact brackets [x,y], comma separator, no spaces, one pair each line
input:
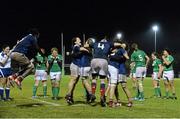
[56,84]
[84,78]
[36,83]
[44,84]
[123,85]
[140,84]
[113,85]
[53,81]
[94,81]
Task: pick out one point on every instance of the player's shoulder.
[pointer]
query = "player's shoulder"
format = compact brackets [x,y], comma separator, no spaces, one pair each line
[49,56]
[171,57]
[76,47]
[29,36]
[59,56]
[121,50]
[159,60]
[142,52]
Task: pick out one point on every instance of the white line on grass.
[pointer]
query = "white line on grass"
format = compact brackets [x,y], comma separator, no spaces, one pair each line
[79,105]
[46,102]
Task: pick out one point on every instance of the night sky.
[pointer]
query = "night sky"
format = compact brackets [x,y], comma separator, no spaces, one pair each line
[134,18]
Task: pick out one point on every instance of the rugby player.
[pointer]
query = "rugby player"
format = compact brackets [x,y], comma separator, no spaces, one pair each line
[141,60]
[168,72]
[40,73]
[99,65]
[55,67]
[75,68]
[19,57]
[5,71]
[157,68]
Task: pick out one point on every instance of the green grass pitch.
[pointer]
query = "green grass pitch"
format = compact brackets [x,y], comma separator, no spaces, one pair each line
[24,106]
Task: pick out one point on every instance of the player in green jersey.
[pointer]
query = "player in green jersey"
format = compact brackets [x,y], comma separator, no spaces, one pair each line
[40,73]
[141,61]
[157,67]
[55,66]
[168,73]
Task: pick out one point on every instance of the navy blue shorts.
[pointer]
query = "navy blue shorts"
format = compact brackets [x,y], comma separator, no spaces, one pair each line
[5,72]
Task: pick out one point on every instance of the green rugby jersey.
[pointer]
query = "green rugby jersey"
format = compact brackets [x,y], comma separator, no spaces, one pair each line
[41,62]
[156,64]
[55,67]
[170,59]
[138,57]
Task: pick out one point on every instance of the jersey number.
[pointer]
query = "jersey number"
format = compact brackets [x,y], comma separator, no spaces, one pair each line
[140,58]
[101,46]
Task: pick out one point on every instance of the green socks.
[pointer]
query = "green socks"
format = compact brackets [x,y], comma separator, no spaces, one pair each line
[167,94]
[141,95]
[45,90]
[55,91]
[34,90]
[137,93]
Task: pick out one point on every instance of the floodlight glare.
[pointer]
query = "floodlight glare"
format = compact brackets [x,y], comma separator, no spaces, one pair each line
[119,35]
[155,28]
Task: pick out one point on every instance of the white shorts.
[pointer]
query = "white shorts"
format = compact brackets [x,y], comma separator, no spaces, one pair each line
[55,75]
[155,76]
[114,74]
[41,75]
[85,71]
[122,78]
[99,66]
[75,70]
[168,75]
[141,72]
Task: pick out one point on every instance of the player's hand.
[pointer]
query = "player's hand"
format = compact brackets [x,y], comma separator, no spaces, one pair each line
[84,49]
[163,57]
[113,51]
[54,58]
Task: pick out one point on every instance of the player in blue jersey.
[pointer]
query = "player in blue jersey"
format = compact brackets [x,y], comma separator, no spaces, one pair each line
[5,71]
[117,72]
[99,65]
[85,72]
[122,74]
[19,57]
[113,68]
[75,68]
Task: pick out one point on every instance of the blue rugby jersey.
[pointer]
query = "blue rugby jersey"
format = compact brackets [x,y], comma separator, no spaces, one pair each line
[86,59]
[101,49]
[26,44]
[116,57]
[76,55]
[122,66]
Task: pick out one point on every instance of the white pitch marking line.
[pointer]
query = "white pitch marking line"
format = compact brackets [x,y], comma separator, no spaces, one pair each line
[79,105]
[46,102]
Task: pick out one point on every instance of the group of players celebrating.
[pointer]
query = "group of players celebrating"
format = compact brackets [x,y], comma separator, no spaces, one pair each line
[106,60]
[103,60]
